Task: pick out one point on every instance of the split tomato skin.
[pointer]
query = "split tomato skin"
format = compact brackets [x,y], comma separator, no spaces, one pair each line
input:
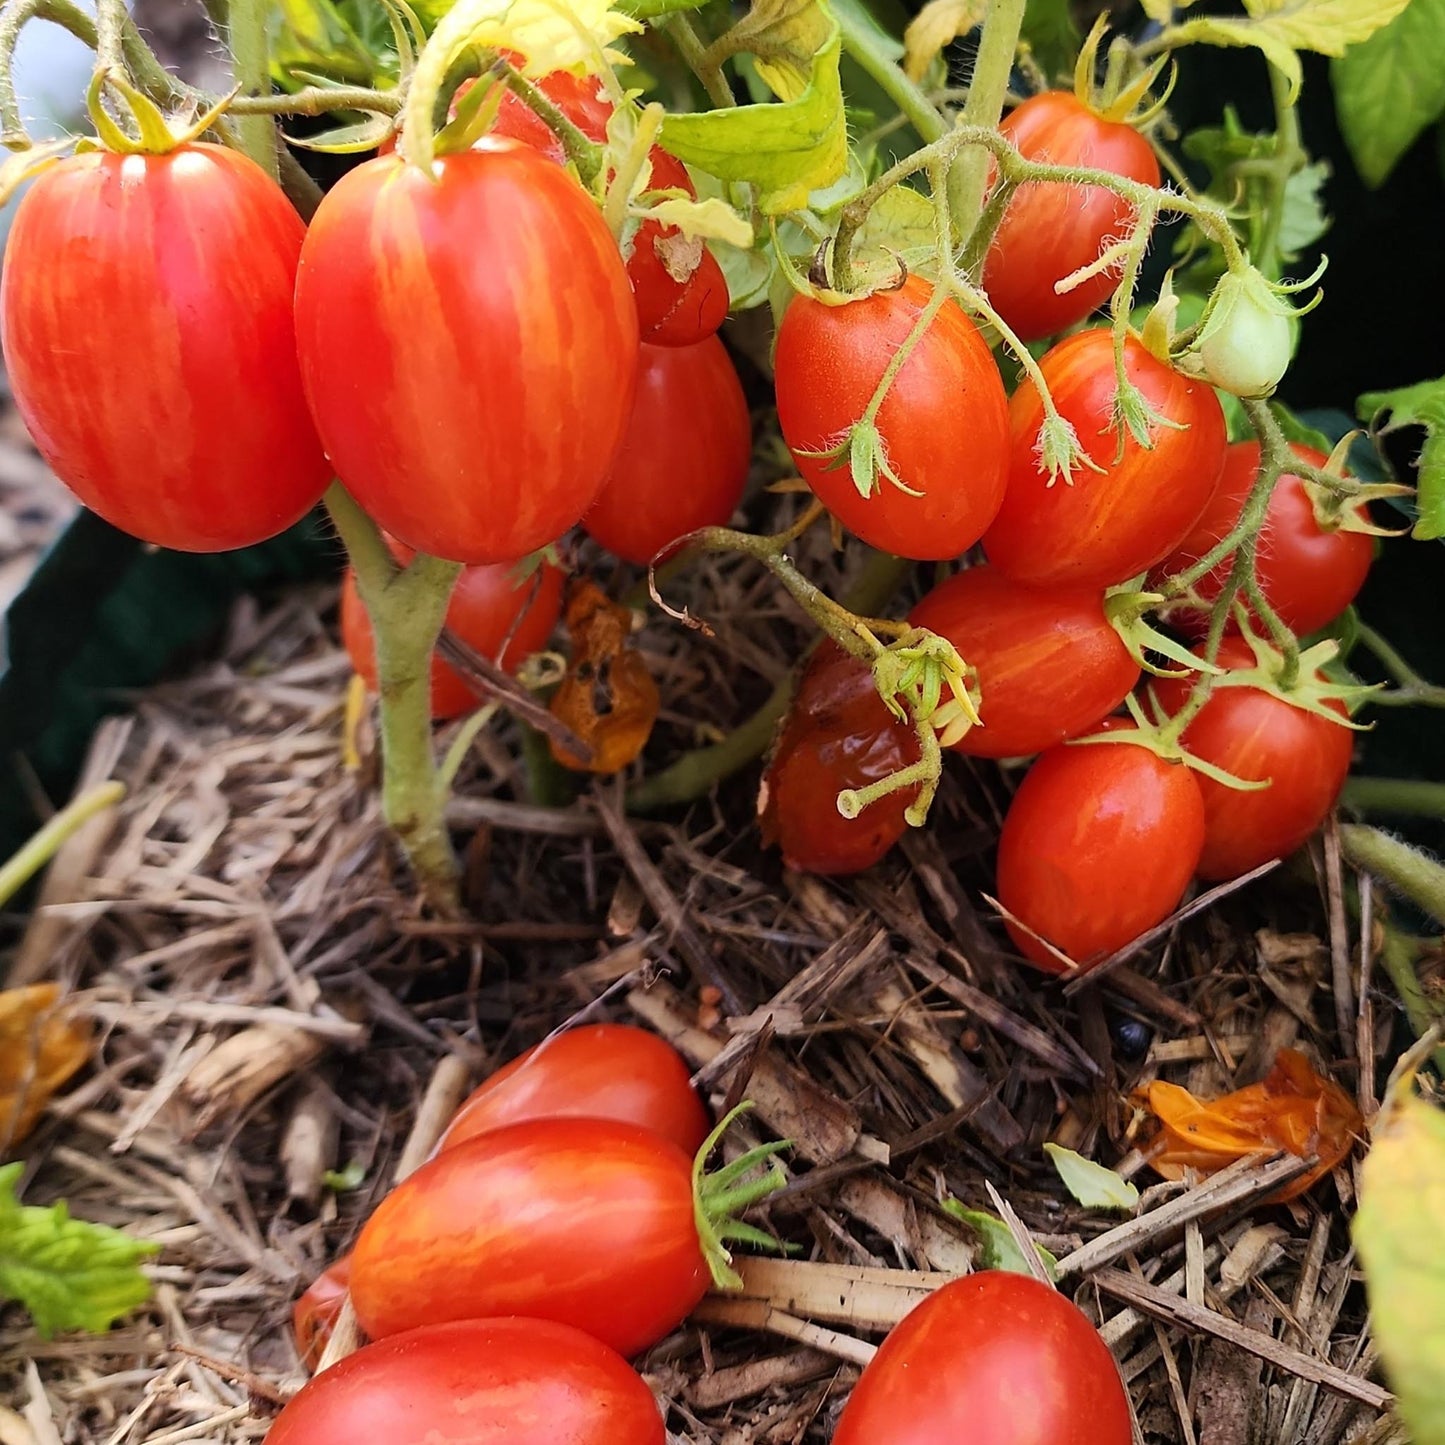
[1050,666]
[1307,574]
[1105,526]
[314,1315]
[1256,736]
[1098,845]
[990,1359]
[469,347]
[179,416]
[478,1382]
[588,1222]
[839,734]
[500,617]
[944,422]
[684,460]
[599,1071]
[1050,231]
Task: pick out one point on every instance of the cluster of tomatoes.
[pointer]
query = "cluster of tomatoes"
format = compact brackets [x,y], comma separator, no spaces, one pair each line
[554,1233]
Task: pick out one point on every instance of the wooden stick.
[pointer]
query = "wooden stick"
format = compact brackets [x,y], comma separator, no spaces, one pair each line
[755,1315]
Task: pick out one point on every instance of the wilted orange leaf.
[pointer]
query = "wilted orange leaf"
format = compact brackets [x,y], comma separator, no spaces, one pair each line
[608,697]
[41,1046]
[1294,1109]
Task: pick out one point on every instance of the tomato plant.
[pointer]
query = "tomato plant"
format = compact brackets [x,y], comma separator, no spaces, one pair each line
[1098,845]
[589,1222]
[993,1358]
[1260,736]
[684,459]
[1050,664]
[1050,231]
[314,1315]
[838,735]
[145,308]
[1114,520]
[476,1382]
[422,284]
[942,426]
[501,616]
[600,1071]
[1310,564]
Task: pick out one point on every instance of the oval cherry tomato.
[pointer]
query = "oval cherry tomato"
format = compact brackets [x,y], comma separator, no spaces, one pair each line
[480,1382]
[597,1071]
[1308,574]
[684,460]
[490,611]
[1109,525]
[944,422]
[588,1222]
[1050,666]
[990,1359]
[472,311]
[314,1315]
[1257,736]
[838,735]
[147,322]
[1098,845]
[1050,231]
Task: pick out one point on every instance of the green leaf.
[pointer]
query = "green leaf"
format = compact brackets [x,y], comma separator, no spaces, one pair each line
[1053,36]
[997,1247]
[1221,30]
[70,1275]
[1091,1184]
[935,27]
[1390,87]
[1421,405]
[1304,220]
[1397,1233]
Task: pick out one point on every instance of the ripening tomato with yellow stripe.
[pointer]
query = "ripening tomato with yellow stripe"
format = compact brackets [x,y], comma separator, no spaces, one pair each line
[146,315]
[469,344]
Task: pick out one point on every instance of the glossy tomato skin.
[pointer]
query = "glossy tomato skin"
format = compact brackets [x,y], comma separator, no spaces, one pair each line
[146,311]
[1050,666]
[469,348]
[944,421]
[1050,231]
[1308,575]
[990,1359]
[838,735]
[1255,735]
[588,1222]
[1098,845]
[1112,524]
[599,1071]
[491,611]
[314,1315]
[478,1382]
[684,460]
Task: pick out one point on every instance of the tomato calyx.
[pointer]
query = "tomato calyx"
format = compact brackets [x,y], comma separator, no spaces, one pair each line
[1162,739]
[154,134]
[1338,510]
[1127,609]
[16,169]
[721,1196]
[1119,98]
[864,453]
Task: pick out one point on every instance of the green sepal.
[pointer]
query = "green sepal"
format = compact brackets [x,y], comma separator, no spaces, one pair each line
[717,1197]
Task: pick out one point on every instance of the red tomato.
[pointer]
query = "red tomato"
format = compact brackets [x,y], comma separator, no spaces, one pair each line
[469,348]
[838,735]
[1109,525]
[944,422]
[1049,664]
[1308,575]
[1050,231]
[588,1222]
[490,611]
[314,1315]
[481,1382]
[147,322]
[684,461]
[990,1359]
[1256,736]
[1099,844]
[598,1071]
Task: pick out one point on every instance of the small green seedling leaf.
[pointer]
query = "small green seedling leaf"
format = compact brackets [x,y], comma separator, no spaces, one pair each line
[997,1247]
[343,1181]
[69,1274]
[1422,405]
[1091,1184]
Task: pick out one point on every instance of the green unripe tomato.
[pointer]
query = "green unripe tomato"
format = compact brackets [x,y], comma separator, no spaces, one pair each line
[1248,337]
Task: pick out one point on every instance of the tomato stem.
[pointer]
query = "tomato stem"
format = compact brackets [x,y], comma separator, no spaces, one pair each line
[319,100]
[860,42]
[1412,689]
[41,847]
[250,45]
[1407,870]
[696,53]
[1289,156]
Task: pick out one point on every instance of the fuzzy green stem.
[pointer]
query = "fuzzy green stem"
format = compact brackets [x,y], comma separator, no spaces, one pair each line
[1418,877]
[249,40]
[1288,156]
[694,51]
[42,846]
[581,150]
[407,608]
[1413,690]
[1405,797]
[110,18]
[1400,955]
[619,191]
[318,100]
[862,48]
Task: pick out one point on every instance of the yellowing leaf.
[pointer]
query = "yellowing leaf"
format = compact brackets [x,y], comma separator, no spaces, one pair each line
[783,36]
[1091,1184]
[41,1046]
[938,24]
[711,219]
[1221,30]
